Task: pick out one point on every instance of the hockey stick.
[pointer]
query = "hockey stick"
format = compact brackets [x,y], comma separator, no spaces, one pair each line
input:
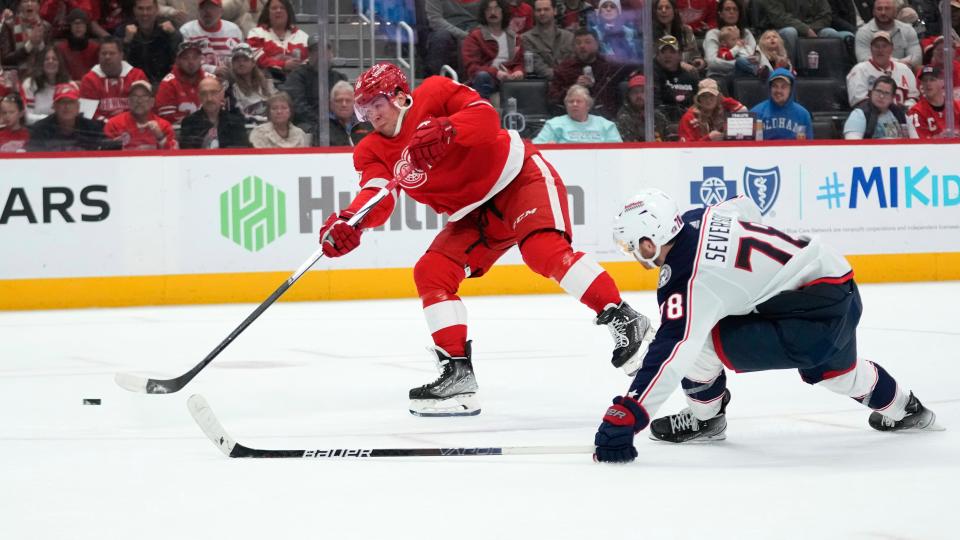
[134,383]
[203,415]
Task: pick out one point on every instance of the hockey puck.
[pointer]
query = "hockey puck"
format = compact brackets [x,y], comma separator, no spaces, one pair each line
[91,401]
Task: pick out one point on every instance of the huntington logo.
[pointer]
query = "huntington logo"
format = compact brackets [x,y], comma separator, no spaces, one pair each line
[253,213]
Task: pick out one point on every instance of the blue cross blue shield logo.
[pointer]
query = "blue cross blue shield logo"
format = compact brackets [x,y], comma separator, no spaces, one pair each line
[713,189]
[763,186]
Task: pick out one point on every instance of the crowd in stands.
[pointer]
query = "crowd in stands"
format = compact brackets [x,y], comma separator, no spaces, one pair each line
[166,74]
[163,74]
[803,69]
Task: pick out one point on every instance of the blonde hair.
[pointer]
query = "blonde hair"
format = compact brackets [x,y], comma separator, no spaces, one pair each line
[728,34]
[781,51]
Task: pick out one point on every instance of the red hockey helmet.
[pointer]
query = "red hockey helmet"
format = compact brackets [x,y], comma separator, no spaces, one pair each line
[383,79]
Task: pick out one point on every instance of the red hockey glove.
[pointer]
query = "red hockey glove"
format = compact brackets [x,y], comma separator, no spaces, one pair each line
[430,142]
[338,238]
[614,439]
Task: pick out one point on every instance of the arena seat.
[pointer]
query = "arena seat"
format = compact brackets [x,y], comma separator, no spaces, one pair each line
[531,96]
[833,61]
[821,94]
[750,91]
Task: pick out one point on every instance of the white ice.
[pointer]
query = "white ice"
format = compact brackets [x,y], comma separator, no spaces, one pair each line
[799,462]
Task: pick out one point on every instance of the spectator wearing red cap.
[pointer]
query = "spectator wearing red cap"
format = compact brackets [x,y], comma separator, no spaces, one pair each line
[139,128]
[519,16]
[150,43]
[110,81]
[933,56]
[47,70]
[860,79]
[630,119]
[929,114]
[706,119]
[279,46]
[13,130]
[219,36]
[80,52]
[548,43]
[178,94]
[65,129]
[22,34]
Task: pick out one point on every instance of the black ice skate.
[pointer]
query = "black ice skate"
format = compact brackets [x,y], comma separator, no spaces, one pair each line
[625,326]
[685,427]
[918,417]
[454,393]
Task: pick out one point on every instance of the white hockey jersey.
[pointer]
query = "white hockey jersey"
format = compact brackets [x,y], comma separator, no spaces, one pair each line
[723,262]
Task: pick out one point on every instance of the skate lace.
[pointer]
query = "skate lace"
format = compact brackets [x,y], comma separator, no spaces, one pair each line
[618,329]
[684,420]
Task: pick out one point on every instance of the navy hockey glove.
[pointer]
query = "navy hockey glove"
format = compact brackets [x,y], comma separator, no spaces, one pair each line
[614,438]
[430,142]
[337,237]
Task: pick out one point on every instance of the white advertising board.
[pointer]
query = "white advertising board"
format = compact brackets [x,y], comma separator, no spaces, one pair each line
[132,216]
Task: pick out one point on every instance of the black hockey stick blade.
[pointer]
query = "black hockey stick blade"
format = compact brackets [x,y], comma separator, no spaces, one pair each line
[203,415]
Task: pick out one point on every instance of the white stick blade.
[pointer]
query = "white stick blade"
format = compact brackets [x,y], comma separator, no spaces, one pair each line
[131,382]
[202,413]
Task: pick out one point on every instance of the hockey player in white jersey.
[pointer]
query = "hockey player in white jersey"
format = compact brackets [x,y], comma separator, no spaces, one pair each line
[738,294]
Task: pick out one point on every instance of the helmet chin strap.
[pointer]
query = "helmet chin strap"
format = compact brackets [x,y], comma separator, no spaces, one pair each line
[650,263]
[403,112]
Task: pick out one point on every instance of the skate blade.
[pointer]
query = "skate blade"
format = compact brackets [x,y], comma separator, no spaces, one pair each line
[698,440]
[461,405]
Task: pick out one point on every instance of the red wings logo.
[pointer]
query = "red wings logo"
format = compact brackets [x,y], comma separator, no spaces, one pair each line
[410,177]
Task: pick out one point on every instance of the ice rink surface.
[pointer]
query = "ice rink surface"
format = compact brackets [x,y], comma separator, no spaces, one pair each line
[799,462]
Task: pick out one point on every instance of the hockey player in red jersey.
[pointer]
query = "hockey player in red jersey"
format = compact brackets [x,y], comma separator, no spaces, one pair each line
[445,144]
[738,294]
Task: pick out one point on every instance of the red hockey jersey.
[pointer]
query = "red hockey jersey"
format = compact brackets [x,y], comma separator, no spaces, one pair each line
[483,160]
[177,97]
[112,92]
[930,121]
[133,136]
[13,141]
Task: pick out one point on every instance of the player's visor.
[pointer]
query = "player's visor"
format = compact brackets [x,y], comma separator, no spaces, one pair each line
[363,110]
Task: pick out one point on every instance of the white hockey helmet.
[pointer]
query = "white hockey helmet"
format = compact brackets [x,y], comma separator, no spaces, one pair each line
[649,214]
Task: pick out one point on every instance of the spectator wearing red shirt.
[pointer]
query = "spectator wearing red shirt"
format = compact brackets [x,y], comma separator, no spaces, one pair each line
[933,56]
[519,16]
[572,14]
[23,34]
[139,128]
[491,53]
[13,133]
[55,12]
[110,81]
[706,120]
[80,52]
[178,93]
[929,114]
[699,15]
[279,46]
